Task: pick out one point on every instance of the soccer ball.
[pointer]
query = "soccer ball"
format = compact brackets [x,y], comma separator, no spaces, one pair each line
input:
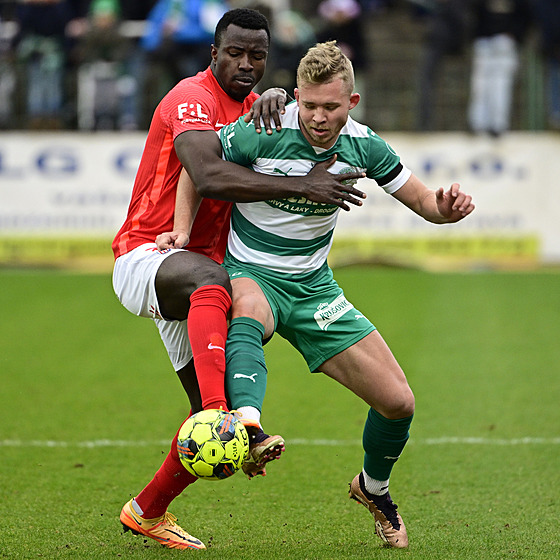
[213,444]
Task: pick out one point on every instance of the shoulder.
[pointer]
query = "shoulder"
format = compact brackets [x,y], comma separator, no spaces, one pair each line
[369,150]
[290,117]
[239,135]
[365,135]
[241,131]
[357,129]
[359,142]
[194,88]
[191,101]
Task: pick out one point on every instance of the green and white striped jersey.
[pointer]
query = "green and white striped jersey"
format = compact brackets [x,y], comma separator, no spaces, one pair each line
[294,235]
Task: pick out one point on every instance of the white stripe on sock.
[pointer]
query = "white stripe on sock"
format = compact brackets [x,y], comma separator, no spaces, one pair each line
[375,487]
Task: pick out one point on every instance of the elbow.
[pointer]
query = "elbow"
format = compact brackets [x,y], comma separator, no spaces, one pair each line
[211,188]
[202,181]
[204,189]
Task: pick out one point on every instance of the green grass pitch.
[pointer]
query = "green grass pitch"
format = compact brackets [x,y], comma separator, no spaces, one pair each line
[89,401]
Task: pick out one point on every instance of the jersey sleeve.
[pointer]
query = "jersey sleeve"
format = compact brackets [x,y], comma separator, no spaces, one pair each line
[385,166]
[188,106]
[240,142]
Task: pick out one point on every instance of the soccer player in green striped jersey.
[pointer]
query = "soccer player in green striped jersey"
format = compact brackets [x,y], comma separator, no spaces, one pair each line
[277,261]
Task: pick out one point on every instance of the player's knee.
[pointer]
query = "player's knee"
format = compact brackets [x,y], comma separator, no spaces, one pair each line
[180,275]
[408,404]
[184,272]
[254,304]
[401,406]
[213,276]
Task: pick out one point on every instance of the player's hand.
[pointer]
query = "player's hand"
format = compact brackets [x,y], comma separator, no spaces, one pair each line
[172,240]
[320,185]
[269,106]
[453,204]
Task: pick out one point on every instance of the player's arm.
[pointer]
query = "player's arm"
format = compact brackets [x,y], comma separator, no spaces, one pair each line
[200,153]
[436,206]
[187,202]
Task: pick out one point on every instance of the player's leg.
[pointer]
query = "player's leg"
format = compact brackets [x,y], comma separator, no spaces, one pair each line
[252,322]
[189,381]
[147,513]
[192,286]
[369,369]
[155,284]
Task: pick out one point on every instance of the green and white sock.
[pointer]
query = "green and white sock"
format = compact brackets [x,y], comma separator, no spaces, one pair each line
[248,414]
[383,442]
[375,487]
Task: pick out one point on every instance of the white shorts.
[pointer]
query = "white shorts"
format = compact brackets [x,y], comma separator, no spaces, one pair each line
[134,277]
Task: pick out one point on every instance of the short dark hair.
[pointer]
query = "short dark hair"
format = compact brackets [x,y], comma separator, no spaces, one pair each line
[244,18]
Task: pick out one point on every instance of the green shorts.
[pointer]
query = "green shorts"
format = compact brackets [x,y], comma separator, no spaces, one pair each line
[310,310]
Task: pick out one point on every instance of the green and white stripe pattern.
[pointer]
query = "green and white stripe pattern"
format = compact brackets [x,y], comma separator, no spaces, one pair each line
[294,235]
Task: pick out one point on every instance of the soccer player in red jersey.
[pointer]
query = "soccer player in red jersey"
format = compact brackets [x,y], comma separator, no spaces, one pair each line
[187,290]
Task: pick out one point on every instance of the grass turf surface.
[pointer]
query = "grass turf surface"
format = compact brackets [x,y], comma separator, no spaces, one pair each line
[89,402]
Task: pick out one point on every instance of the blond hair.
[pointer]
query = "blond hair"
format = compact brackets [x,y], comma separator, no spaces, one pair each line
[324,63]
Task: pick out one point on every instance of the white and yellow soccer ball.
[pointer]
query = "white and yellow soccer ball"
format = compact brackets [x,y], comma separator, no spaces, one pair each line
[213,444]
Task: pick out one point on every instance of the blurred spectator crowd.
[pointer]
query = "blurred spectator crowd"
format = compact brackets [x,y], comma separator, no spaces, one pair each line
[105,64]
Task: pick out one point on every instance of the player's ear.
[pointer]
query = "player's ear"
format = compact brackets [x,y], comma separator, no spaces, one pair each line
[354,100]
[296,94]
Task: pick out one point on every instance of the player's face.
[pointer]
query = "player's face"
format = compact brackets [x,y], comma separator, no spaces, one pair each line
[323,111]
[240,61]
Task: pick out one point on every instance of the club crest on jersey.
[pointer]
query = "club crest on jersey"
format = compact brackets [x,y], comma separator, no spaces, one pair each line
[350,182]
[328,313]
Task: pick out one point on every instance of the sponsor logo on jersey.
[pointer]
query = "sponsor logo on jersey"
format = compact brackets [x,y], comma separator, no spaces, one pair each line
[301,205]
[191,112]
[328,313]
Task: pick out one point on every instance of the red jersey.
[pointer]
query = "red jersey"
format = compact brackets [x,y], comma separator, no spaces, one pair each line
[197,103]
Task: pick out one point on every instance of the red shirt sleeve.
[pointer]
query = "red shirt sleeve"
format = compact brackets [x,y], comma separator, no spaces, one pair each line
[189,106]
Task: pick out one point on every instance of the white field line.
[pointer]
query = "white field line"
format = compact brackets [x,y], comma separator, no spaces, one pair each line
[309,442]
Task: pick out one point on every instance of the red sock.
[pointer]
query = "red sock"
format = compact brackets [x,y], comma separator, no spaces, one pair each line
[169,481]
[207,326]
